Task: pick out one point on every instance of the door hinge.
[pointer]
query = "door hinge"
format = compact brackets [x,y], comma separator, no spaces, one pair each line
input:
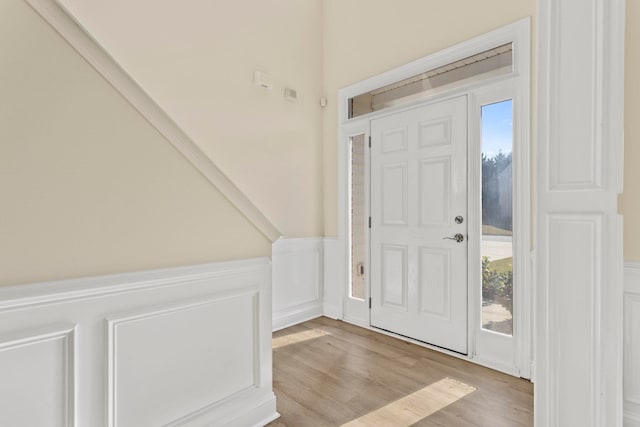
[369,222]
[369,141]
[369,302]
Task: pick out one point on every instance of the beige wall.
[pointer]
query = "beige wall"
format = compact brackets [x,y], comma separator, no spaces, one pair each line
[89,188]
[197,58]
[87,185]
[630,201]
[363,38]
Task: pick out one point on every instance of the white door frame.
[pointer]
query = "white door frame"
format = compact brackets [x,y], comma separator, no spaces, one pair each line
[353,310]
[517,33]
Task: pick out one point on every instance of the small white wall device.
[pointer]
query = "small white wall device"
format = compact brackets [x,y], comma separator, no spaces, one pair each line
[262,80]
[290,94]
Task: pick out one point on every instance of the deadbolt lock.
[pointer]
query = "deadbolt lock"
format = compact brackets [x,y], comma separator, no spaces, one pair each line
[459,219]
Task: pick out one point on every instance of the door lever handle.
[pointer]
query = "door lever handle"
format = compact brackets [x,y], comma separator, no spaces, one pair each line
[458,238]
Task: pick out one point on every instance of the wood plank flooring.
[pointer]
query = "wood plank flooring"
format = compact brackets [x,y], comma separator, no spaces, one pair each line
[331,373]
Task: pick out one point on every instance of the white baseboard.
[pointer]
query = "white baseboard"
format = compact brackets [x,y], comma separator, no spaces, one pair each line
[87,351]
[255,412]
[297,281]
[264,414]
[533,372]
[331,311]
[296,315]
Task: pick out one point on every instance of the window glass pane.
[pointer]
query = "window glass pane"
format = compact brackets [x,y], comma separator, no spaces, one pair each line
[497,217]
[358,249]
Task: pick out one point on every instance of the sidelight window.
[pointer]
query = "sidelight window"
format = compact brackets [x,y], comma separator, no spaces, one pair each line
[497,217]
[358,212]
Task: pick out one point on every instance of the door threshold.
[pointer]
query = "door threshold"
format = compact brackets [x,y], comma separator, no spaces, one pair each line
[440,348]
[481,362]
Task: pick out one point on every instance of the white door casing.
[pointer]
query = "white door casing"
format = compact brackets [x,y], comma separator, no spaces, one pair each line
[579,233]
[419,185]
[517,358]
[498,350]
[356,310]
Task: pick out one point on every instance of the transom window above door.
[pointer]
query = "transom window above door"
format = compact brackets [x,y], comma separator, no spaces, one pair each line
[493,62]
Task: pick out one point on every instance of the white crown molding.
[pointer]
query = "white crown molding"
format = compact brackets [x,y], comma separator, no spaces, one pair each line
[80,39]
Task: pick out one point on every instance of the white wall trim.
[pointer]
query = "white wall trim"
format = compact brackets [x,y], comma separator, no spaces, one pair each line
[114,321]
[631,344]
[299,314]
[632,277]
[143,329]
[351,309]
[77,36]
[298,270]
[579,257]
[44,293]
[333,278]
[497,349]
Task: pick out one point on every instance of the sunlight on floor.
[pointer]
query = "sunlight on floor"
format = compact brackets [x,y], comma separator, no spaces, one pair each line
[416,406]
[297,337]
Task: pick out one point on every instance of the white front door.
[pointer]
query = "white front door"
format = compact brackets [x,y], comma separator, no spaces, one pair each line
[418,205]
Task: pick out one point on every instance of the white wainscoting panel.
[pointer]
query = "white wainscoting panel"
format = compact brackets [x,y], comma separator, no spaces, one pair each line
[335,279]
[572,363]
[632,344]
[188,346]
[39,390]
[297,281]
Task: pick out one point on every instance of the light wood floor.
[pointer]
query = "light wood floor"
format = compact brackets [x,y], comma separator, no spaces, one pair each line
[330,373]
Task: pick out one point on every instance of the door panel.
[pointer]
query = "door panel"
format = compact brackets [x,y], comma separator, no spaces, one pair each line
[418,186]
[435,184]
[435,278]
[435,132]
[394,194]
[394,140]
[394,276]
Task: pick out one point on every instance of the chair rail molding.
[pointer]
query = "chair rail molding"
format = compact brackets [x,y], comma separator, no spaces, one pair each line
[79,38]
[579,291]
[86,352]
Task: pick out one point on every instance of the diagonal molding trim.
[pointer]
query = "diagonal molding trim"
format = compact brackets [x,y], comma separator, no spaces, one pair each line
[79,38]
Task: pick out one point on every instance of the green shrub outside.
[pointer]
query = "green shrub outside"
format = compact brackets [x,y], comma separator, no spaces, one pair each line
[497,285]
